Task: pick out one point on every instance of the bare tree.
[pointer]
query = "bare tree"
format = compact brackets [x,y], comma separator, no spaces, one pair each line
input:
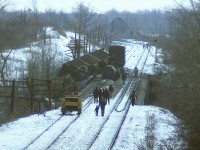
[42,62]
[3,4]
[4,60]
[84,17]
[36,19]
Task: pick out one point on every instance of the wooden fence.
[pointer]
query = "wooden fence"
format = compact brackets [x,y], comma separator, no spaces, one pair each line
[23,96]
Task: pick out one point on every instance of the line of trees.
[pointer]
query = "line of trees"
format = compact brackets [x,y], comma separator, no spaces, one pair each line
[186,57]
[179,89]
[20,28]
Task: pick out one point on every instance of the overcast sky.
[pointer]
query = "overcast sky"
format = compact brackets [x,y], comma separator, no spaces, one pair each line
[97,5]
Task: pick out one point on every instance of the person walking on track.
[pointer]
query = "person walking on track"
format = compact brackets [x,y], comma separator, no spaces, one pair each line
[133,97]
[111,90]
[96,95]
[136,72]
[96,110]
[102,104]
[107,95]
[124,78]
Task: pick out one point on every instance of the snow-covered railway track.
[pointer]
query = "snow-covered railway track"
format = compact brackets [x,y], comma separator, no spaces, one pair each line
[95,139]
[108,142]
[121,98]
[63,123]
[126,108]
[92,127]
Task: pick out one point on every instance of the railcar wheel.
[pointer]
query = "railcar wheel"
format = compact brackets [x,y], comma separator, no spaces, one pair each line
[109,72]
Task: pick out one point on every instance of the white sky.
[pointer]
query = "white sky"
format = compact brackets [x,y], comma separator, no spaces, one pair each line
[97,5]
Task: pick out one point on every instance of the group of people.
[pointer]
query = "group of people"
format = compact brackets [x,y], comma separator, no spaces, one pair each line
[102,97]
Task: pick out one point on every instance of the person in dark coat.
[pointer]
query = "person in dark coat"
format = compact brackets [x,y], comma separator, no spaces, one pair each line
[102,104]
[147,46]
[96,110]
[106,94]
[133,97]
[136,72]
[42,106]
[124,78]
[96,95]
[111,90]
[100,94]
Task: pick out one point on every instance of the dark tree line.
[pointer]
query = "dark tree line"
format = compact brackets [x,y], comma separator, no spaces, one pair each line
[180,86]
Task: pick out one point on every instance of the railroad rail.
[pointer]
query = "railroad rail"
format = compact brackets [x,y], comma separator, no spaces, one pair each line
[130,85]
[86,98]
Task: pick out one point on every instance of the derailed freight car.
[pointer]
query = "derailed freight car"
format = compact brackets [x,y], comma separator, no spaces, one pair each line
[85,66]
[108,63]
[116,63]
[117,56]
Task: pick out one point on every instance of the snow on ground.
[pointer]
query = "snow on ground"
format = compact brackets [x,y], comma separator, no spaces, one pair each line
[139,121]
[58,47]
[134,130]
[17,134]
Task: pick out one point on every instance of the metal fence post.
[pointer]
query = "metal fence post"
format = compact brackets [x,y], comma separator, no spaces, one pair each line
[49,91]
[12,104]
[31,86]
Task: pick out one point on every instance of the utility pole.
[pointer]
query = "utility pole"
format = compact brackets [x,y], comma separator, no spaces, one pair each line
[156,56]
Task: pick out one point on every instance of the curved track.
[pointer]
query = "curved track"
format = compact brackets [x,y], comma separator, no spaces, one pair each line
[127,106]
[132,84]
